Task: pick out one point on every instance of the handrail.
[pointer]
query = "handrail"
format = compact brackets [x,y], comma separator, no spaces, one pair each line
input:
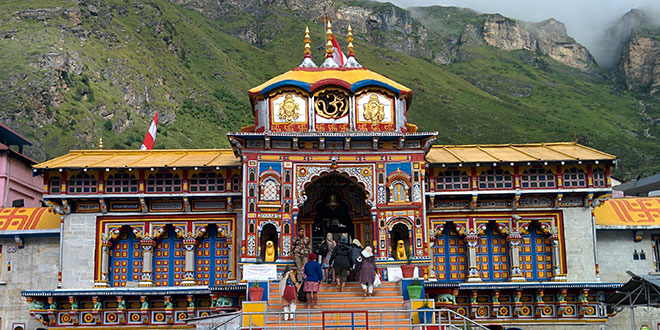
[401,319]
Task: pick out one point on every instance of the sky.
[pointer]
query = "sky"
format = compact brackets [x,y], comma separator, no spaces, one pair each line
[585,19]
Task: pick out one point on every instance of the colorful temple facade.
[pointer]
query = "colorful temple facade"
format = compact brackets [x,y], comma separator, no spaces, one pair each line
[160,236]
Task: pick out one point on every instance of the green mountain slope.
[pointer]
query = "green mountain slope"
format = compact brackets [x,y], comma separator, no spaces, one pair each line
[75,71]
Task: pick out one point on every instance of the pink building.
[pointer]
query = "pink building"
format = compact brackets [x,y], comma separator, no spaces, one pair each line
[17,185]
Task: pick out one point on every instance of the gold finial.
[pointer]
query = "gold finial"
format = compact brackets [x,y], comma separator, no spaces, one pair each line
[308,41]
[100,143]
[350,40]
[328,32]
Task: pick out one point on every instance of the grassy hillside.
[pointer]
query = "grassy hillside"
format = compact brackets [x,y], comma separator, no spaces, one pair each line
[131,58]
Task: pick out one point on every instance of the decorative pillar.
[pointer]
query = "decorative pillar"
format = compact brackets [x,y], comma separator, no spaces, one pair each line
[556,260]
[471,230]
[539,304]
[495,304]
[104,280]
[146,278]
[517,304]
[96,309]
[514,232]
[189,244]
[472,241]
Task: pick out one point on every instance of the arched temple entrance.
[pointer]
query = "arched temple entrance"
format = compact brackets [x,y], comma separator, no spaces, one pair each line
[336,204]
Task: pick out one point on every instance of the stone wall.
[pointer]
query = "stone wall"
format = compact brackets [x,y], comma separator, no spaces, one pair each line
[579,240]
[79,248]
[33,267]
[615,254]
[621,321]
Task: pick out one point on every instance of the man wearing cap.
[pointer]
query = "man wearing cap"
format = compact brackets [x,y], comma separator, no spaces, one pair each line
[301,249]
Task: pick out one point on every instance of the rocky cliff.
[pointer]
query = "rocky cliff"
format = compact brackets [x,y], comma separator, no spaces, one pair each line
[635,47]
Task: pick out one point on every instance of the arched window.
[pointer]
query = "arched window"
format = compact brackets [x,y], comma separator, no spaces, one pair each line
[251,207]
[251,176]
[82,183]
[269,190]
[492,256]
[163,182]
[599,178]
[538,178]
[449,257]
[399,191]
[169,259]
[125,260]
[251,192]
[452,180]
[287,176]
[207,181]
[287,192]
[574,178]
[54,185]
[121,183]
[236,183]
[536,254]
[495,178]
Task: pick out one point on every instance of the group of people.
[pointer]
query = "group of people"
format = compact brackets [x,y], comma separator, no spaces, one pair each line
[334,262]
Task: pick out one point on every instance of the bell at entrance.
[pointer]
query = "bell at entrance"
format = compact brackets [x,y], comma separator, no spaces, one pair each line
[333,202]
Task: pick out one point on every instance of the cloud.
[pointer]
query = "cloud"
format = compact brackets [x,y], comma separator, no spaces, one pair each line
[586,20]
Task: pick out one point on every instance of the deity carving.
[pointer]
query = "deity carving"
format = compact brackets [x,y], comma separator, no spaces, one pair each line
[374,110]
[289,109]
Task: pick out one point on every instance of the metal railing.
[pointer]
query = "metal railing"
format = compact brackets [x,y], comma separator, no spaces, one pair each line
[443,319]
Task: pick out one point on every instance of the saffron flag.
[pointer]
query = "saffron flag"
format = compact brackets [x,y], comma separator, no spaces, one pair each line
[337,54]
[150,138]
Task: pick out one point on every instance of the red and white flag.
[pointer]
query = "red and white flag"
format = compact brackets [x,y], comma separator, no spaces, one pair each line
[150,138]
[337,54]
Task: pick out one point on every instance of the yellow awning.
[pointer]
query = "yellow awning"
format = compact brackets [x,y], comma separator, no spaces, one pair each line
[27,219]
[143,159]
[560,151]
[635,211]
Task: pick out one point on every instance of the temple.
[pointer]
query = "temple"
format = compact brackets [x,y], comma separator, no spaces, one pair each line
[503,233]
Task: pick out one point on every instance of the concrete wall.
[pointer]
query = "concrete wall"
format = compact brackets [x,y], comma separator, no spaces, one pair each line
[615,254]
[622,321]
[79,248]
[579,242]
[33,267]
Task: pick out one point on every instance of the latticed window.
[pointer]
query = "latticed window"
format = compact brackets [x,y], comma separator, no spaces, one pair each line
[492,256]
[236,183]
[452,180]
[599,177]
[213,259]
[449,257]
[574,178]
[536,254]
[54,185]
[207,182]
[125,260]
[121,183]
[495,178]
[538,178]
[399,191]
[164,182]
[270,190]
[169,260]
[82,183]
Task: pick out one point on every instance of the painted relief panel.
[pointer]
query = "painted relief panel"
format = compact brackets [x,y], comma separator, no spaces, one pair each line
[331,109]
[289,111]
[375,112]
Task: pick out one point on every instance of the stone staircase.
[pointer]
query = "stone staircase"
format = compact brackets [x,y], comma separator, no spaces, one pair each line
[344,309]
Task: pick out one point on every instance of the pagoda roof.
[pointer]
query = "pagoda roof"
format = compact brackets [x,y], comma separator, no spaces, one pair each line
[534,152]
[628,213]
[21,220]
[309,79]
[143,159]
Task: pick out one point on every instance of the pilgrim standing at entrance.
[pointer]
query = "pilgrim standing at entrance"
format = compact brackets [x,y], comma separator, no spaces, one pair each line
[368,271]
[325,251]
[301,249]
[288,289]
[356,248]
[341,260]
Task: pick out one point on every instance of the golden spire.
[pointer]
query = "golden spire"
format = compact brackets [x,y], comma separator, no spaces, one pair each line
[308,40]
[100,143]
[328,32]
[350,40]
